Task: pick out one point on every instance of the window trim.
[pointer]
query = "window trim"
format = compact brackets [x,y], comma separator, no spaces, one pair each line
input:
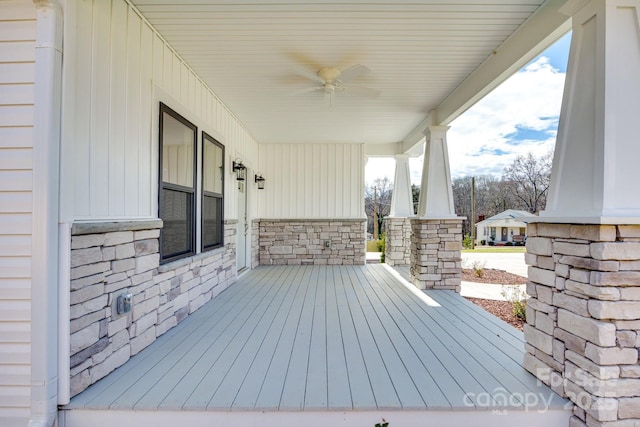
[189,190]
[208,138]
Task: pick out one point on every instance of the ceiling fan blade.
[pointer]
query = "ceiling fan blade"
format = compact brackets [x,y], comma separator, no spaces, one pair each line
[304,61]
[307,90]
[360,91]
[311,75]
[353,73]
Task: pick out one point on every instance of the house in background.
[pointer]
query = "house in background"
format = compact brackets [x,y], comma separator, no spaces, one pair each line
[135,134]
[503,227]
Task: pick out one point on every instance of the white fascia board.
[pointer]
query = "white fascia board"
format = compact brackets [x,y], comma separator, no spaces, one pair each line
[391,149]
[542,29]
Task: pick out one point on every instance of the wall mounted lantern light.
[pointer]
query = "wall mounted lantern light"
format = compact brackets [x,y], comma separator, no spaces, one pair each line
[260,181]
[240,170]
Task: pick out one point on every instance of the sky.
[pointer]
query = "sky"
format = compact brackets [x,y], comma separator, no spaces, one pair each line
[519,116]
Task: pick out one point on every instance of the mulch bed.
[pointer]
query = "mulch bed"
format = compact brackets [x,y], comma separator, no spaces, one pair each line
[490,275]
[501,309]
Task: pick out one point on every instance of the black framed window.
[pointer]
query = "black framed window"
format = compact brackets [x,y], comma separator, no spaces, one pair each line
[177,185]
[212,193]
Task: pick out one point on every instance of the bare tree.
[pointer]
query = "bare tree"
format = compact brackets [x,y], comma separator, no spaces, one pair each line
[491,198]
[415,196]
[384,190]
[527,179]
[462,200]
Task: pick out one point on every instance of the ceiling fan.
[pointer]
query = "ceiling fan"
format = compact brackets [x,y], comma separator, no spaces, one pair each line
[331,82]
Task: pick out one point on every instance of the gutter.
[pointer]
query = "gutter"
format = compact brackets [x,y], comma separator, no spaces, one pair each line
[46,172]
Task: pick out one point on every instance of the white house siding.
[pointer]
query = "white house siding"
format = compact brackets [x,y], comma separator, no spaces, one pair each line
[312,208]
[116,70]
[312,181]
[17,41]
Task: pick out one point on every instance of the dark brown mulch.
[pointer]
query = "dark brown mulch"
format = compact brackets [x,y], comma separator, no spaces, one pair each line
[490,275]
[501,309]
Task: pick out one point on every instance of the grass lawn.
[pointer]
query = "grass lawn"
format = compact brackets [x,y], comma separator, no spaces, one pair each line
[497,250]
[372,246]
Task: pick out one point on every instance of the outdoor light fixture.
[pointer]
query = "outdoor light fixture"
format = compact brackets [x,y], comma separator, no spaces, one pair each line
[260,181]
[240,170]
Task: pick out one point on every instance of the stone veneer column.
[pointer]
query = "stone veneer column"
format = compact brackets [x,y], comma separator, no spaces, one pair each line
[436,234]
[255,243]
[436,261]
[583,318]
[397,225]
[397,241]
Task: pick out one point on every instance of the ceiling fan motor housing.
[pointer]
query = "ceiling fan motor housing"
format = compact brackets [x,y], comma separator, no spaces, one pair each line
[329,74]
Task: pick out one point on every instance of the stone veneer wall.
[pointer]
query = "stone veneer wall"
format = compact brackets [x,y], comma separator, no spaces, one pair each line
[255,243]
[397,241]
[436,260]
[109,259]
[302,241]
[583,318]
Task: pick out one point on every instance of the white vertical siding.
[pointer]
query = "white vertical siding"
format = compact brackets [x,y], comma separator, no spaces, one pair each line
[312,181]
[115,65]
[17,36]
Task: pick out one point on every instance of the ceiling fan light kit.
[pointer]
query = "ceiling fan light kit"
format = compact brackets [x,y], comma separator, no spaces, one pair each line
[332,81]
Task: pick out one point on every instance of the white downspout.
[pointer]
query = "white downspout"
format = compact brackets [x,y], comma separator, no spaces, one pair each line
[46,165]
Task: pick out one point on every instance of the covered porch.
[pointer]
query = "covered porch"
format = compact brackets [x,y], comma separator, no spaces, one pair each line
[300,94]
[358,344]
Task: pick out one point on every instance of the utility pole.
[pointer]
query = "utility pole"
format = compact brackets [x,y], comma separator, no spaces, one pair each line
[375,213]
[473,212]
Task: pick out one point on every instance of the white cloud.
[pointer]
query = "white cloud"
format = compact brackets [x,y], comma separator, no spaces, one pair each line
[379,167]
[483,140]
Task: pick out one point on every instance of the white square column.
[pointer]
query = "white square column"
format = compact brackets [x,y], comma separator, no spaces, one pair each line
[594,177]
[583,314]
[436,234]
[397,225]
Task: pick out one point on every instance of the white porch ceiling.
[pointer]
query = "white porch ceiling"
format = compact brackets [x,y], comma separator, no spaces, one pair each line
[419,52]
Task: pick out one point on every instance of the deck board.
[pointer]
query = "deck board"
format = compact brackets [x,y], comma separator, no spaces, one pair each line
[229,385]
[248,391]
[221,333]
[431,360]
[381,384]
[360,386]
[178,363]
[161,351]
[293,393]
[218,360]
[318,338]
[271,391]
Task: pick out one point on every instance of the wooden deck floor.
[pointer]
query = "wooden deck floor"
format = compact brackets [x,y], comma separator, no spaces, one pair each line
[308,339]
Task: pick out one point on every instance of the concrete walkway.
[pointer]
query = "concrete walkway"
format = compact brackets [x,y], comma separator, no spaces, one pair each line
[510,262]
[373,257]
[487,291]
[513,263]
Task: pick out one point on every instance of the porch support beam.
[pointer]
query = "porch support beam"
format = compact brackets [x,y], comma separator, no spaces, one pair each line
[583,314]
[543,28]
[397,225]
[436,234]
